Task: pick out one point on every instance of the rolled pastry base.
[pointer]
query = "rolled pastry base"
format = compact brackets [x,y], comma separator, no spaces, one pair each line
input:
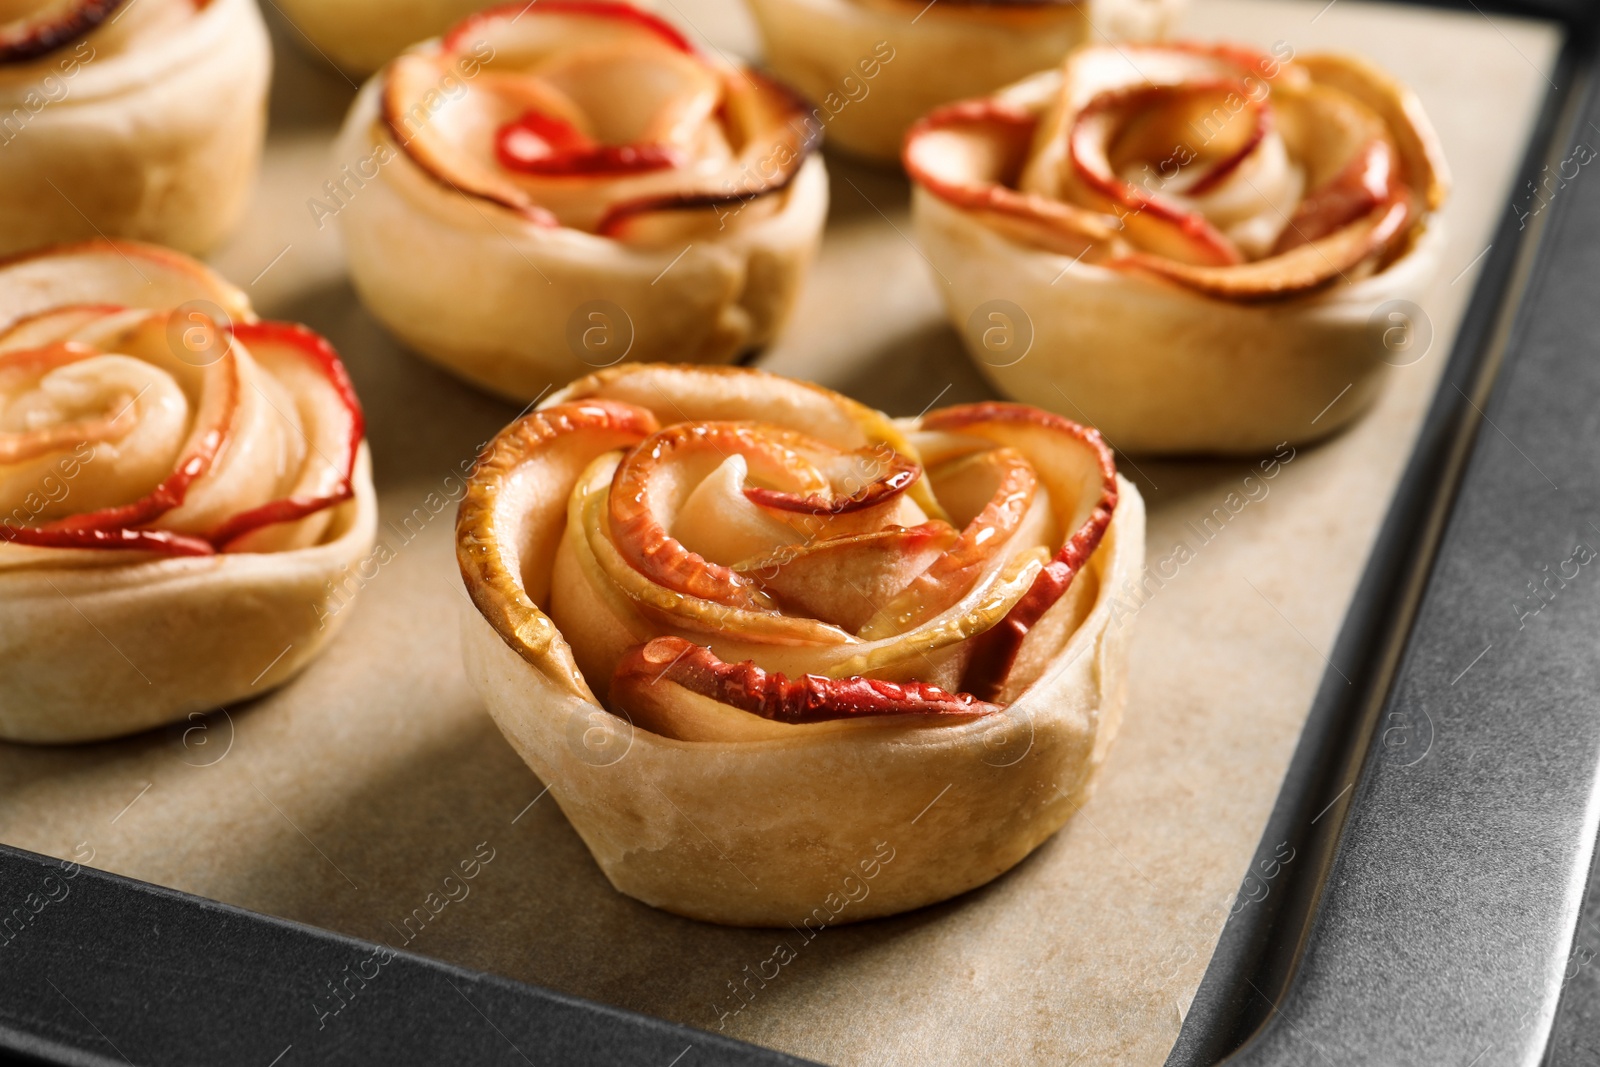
[1158,368]
[517,308]
[102,651]
[820,830]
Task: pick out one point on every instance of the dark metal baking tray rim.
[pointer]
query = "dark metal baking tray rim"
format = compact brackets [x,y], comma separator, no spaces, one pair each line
[1318,963]
[1376,942]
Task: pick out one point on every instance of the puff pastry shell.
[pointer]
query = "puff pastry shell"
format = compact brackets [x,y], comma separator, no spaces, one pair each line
[1200,249]
[141,119]
[182,490]
[727,619]
[548,191]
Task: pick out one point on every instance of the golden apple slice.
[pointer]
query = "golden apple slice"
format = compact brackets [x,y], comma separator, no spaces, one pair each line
[971,155]
[843,580]
[1153,221]
[751,614]
[998,489]
[1365,184]
[515,508]
[333,426]
[695,392]
[1299,270]
[1077,468]
[1423,165]
[655,478]
[597,117]
[767,142]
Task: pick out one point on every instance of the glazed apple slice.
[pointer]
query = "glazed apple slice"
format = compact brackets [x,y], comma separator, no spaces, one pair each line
[863,492]
[1299,270]
[970,155]
[1422,163]
[333,425]
[656,478]
[219,394]
[1153,221]
[454,142]
[1365,184]
[45,25]
[516,507]
[142,395]
[702,393]
[1081,477]
[597,117]
[537,143]
[769,142]
[1102,72]
[629,109]
[160,542]
[997,487]
[670,607]
[124,418]
[672,687]
[843,580]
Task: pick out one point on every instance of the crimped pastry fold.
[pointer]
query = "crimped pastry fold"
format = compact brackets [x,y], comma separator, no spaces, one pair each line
[550,190]
[141,119]
[1199,240]
[746,629]
[181,486]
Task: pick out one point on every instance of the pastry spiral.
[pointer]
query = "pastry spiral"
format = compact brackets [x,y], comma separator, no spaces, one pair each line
[1196,237]
[873,67]
[141,119]
[555,188]
[799,620]
[180,483]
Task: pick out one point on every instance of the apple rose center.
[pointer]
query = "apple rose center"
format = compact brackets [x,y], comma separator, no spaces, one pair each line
[245,443]
[590,116]
[765,569]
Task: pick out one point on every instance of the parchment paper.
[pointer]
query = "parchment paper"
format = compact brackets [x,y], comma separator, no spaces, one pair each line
[344,799]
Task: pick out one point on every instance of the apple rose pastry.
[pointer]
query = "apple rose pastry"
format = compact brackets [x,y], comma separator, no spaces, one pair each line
[129,118]
[181,485]
[873,67]
[571,184]
[362,35]
[1200,249]
[756,637]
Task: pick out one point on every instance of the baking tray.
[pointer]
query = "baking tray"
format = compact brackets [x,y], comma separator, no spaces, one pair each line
[1390,942]
[1401,939]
